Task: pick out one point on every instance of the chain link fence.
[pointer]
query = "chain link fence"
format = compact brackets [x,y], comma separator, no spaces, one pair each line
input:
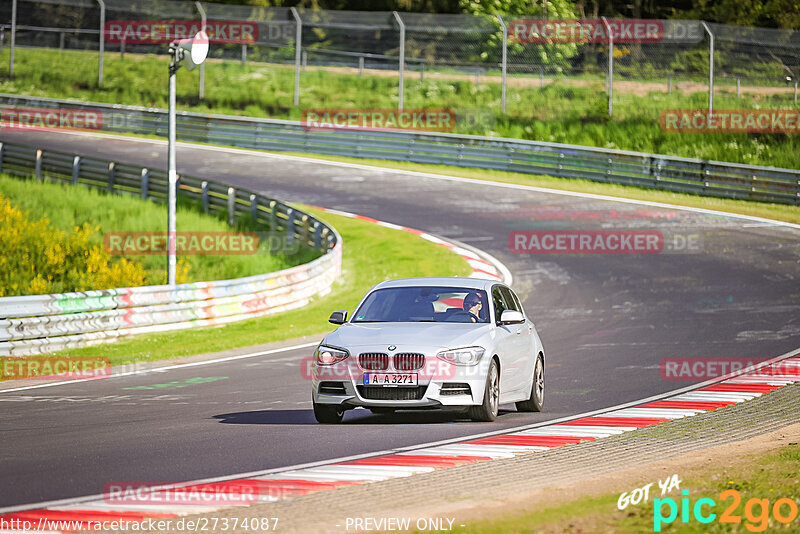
[507,65]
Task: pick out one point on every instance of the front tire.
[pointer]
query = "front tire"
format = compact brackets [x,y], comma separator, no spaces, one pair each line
[487,410]
[536,401]
[328,414]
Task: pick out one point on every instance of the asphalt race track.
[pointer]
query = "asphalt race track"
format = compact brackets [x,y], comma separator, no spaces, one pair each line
[606,320]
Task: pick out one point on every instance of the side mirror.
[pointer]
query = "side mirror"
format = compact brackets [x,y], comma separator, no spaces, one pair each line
[511,317]
[338,317]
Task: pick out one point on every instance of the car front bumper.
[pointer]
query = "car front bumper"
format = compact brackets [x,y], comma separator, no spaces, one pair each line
[444,385]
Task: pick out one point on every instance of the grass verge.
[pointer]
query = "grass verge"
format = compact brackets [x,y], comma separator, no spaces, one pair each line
[562,111]
[372,254]
[770,476]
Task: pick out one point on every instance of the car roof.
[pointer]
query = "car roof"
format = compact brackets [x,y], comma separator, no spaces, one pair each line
[445,281]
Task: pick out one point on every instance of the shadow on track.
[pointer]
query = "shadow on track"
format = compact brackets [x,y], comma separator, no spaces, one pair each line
[352,417]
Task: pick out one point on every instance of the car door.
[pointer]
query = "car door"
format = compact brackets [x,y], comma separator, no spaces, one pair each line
[509,343]
[524,334]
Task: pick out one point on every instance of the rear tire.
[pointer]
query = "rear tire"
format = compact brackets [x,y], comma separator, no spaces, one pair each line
[536,401]
[328,414]
[487,410]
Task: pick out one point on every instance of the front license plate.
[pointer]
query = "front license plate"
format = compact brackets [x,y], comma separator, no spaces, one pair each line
[391,379]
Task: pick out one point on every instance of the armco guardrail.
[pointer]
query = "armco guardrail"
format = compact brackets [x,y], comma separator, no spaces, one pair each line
[713,178]
[44,323]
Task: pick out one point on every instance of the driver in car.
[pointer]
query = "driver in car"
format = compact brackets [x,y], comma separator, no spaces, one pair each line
[473,305]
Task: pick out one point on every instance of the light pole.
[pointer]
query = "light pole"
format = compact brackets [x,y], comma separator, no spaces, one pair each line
[194,51]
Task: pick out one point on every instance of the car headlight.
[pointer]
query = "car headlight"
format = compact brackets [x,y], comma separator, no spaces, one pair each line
[465,356]
[325,355]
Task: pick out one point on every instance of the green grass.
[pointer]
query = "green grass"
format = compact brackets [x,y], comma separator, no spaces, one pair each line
[67,206]
[768,476]
[372,254]
[571,111]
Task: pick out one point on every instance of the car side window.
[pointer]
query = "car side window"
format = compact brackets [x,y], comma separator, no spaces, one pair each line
[511,300]
[499,303]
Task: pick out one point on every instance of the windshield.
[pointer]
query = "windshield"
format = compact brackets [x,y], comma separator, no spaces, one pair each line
[424,304]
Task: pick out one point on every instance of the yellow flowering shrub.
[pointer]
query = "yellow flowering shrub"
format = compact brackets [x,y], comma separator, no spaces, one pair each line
[36,258]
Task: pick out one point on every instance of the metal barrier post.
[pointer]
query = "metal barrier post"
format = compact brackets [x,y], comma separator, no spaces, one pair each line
[204,190]
[122,49]
[710,67]
[360,66]
[273,217]
[231,206]
[317,234]
[669,83]
[1,156]
[244,54]
[61,41]
[738,87]
[111,176]
[610,74]
[402,62]
[253,208]
[38,167]
[298,46]
[76,169]
[102,40]
[145,183]
[290,226]
[306,222]
[795,90]
[13,37]
[505,63]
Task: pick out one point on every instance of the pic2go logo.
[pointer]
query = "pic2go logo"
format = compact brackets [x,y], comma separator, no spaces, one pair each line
[756,511]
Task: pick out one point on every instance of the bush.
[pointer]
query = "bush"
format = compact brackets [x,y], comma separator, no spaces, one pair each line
[39,259]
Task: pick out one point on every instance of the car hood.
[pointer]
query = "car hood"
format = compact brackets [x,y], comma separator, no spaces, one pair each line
[432,335]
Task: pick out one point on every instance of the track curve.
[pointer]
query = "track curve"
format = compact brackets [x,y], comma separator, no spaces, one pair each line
[607,321]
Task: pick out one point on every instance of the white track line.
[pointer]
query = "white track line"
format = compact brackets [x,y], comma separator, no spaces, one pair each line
[168,367]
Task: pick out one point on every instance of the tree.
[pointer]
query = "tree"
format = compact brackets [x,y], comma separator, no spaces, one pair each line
[554,55]
[783,14]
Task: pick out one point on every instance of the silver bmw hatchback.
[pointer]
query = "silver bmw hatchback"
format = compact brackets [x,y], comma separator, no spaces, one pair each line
[424,343]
